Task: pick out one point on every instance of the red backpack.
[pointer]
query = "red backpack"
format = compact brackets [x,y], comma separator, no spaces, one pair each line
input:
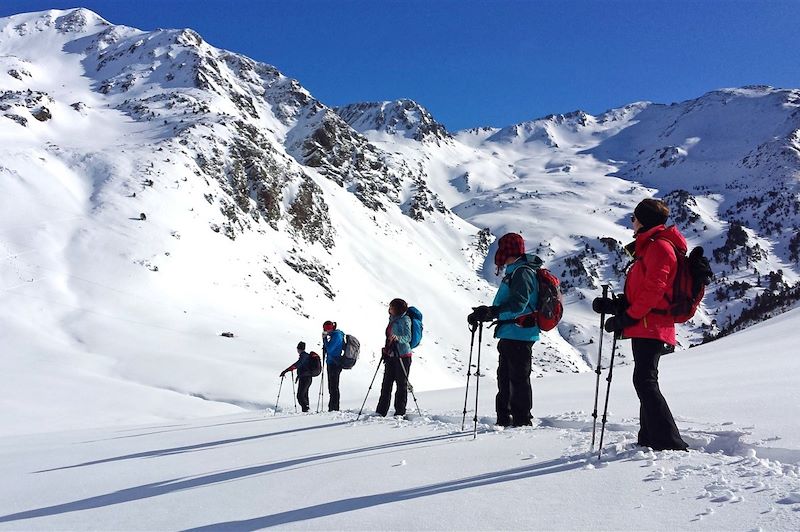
[549,304]
[691,278]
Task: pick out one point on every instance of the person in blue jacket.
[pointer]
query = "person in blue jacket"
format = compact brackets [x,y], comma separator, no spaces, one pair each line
[396,359]
[332,348]
[513,307]
[304,375]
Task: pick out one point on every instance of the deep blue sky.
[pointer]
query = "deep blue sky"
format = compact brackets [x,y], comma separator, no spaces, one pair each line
[490,63]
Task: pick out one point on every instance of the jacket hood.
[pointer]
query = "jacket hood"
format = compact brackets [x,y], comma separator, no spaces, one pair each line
[670,233]
[528,259]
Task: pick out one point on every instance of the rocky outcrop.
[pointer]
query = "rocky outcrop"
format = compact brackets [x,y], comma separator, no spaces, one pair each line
[400,117]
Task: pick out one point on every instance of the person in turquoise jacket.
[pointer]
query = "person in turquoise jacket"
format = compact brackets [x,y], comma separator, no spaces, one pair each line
[397,359]
[513,307]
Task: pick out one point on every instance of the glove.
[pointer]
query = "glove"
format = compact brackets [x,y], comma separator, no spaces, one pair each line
[700,268]
[617,323]
[283,373]
[604,305]
[610,305]
[482,313]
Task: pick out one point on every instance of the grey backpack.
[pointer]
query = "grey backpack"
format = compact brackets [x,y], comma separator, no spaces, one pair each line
[352,347]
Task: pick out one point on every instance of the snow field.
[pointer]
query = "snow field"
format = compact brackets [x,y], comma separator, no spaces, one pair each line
[328,471]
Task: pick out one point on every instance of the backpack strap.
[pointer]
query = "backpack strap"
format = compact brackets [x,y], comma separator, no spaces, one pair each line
[664,312]
[497,323]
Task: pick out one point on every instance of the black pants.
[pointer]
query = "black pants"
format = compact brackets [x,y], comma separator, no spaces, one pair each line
[303,384]
[333,387]
[514,395]
[657,426]
[393,374]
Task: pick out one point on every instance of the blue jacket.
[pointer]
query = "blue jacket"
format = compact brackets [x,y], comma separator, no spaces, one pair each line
[516,296]
[333,346]
[400,326]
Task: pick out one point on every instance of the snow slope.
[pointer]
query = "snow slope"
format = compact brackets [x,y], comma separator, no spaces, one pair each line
[331,472]
[239,236]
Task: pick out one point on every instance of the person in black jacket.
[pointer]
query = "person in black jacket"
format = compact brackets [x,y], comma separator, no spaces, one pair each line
[304,375]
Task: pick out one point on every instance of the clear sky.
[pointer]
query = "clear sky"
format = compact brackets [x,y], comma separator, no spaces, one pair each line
[492,63]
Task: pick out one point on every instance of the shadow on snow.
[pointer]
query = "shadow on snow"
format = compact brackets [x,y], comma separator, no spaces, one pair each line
[190,448]
[549,467]
[183,483]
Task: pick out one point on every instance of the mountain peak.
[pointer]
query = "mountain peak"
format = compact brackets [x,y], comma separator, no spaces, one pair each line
[577,118]
[398,117]
[547,129]
[78,20]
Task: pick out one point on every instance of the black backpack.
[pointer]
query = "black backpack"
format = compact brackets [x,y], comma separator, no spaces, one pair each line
[314,364]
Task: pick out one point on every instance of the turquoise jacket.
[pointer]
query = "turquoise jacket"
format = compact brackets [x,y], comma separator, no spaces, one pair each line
[400,326]
[516,296]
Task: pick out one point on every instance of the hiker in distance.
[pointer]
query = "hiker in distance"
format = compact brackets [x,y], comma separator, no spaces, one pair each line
[514,305]
[308,366]
[396,359]
[643,316]
[332,348]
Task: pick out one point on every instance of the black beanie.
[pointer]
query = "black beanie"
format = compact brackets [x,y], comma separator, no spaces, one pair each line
[651,212]
[301,346]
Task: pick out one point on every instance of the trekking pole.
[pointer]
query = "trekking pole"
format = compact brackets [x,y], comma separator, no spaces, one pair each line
[599,368]
[370,387]
[408,384]
[477,382]
[279,396]
[321,382]
[294,394]
[472,329]
[608,391]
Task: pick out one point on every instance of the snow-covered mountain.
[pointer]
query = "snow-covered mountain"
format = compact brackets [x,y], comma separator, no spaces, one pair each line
[402,117]
[157,192]
[727,163]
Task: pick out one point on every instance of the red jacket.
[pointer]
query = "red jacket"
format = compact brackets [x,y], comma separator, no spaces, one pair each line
[649,282]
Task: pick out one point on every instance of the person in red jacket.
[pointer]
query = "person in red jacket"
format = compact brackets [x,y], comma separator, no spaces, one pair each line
[646,320]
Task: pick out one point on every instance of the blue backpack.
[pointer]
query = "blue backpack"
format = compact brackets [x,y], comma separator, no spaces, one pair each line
[416,326]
